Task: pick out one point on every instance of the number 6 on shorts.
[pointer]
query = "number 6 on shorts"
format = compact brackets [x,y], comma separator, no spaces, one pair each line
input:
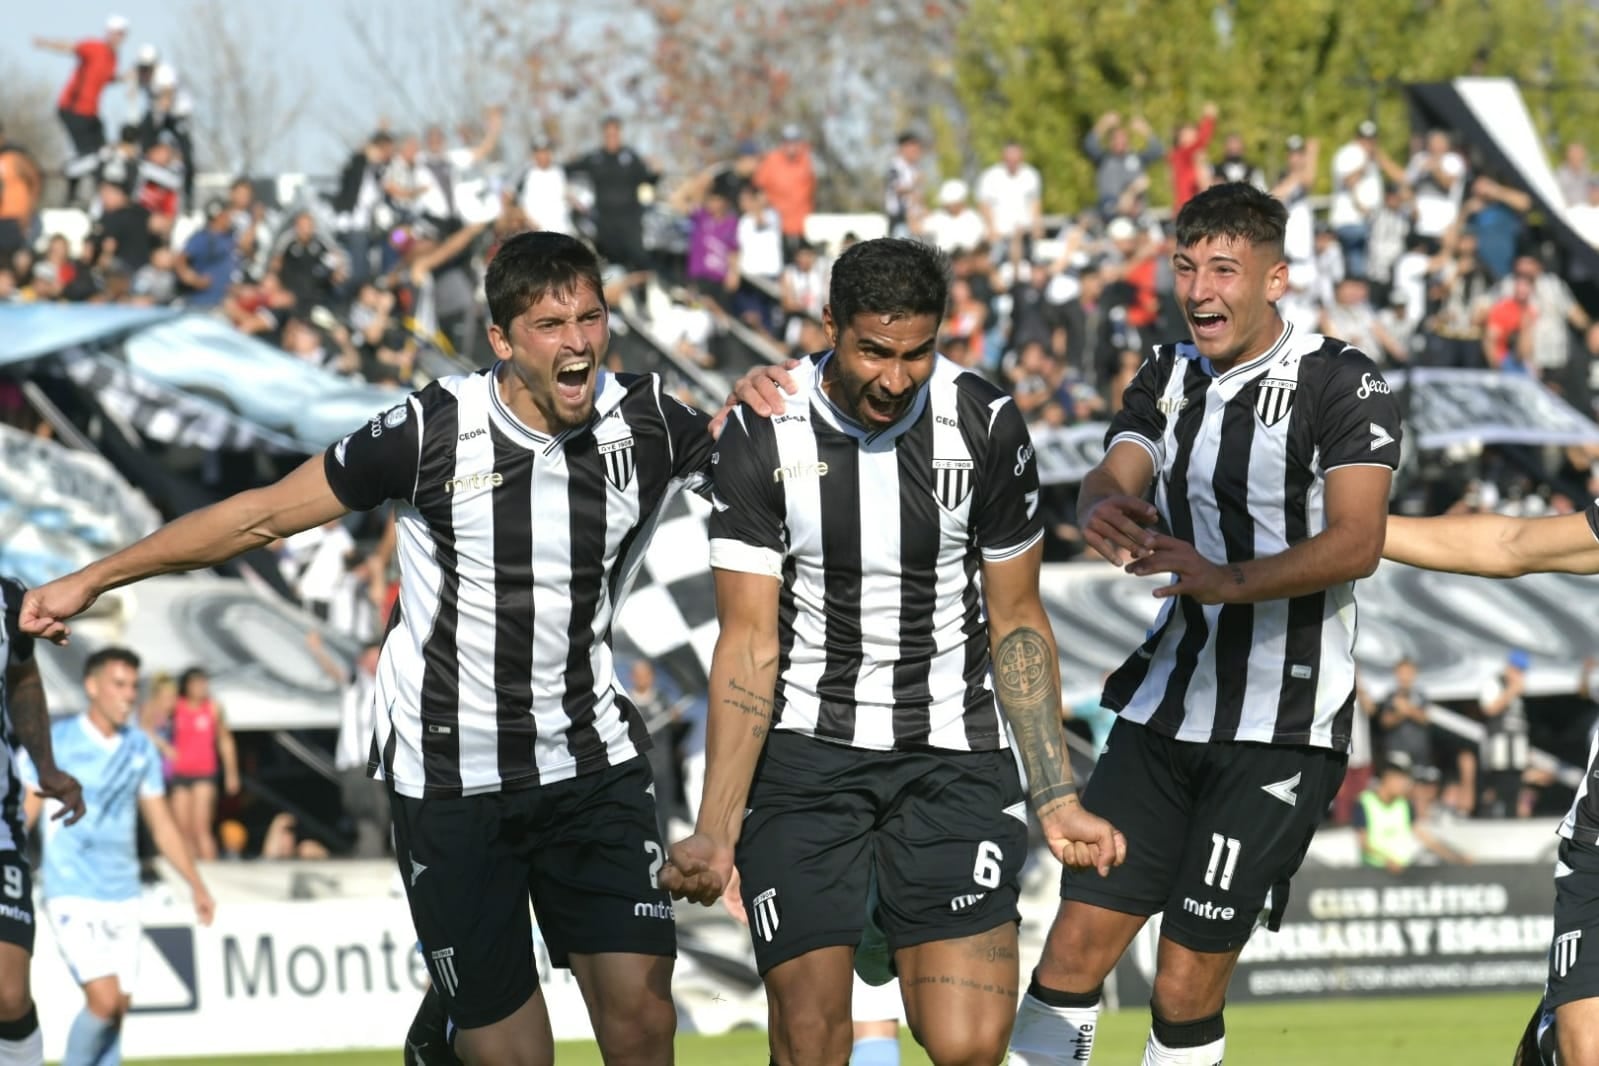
[986,872]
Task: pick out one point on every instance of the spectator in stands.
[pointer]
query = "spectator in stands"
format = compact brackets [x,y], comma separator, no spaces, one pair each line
[904,200]
[306,265]
[156,283]
[411,187]
[1234,165]
[165,113]
[1504,749]
[713,252]
[1437,178]
[10,291]
[1351,318]
[363,212]
[20,185]
[787,175]
[79,103]
[1010,195]
[1083,320]
[616,173]
[210,259]
[804,288]
[1555,311]
[1393,319]
[1120,171]
[1389,832]
[160,184]
[1034,317]
[283,840]
[966,320]
[1508,336]
[455,171]
[542,190]
[202,744]
[388,352]
[1406,731]
[1573,175]
[955,227]
[1331,266]
[1389,231]
[759,239]
[155,717]
[1493,214]
[1293,188]
[1187,156]
[1357,176]
[130,225]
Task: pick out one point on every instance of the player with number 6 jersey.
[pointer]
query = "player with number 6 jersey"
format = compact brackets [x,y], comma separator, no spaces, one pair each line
[876,551]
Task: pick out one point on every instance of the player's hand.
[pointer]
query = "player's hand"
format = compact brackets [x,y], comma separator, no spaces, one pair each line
[761,390]
[733,900]
[205,908]
[1081,840]
[55,783]
[1197,577]
[1116,528]
[698,869]
[45,610]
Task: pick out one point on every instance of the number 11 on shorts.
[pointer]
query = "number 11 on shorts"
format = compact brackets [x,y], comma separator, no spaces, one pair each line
[1218,845]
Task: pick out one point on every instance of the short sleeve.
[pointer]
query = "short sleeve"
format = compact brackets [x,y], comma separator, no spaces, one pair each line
[1140,420]
[153,783]
[746,527]
[379,461]
[1358,422]
[19,643]
[1593,518]
[688,430]
[1007,519]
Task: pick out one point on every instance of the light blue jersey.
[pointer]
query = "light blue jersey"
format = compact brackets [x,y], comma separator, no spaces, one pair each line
[98,857]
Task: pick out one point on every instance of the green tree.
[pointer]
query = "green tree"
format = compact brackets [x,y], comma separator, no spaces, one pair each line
[1042,71]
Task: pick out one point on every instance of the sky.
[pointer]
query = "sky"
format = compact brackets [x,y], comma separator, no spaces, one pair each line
[317,31]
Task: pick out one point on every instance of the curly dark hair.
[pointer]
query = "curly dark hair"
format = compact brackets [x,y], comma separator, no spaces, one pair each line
[529,266]
[889,276]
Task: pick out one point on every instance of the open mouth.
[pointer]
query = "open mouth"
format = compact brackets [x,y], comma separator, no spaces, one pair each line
[1207,323]
[884,408]
[572,379]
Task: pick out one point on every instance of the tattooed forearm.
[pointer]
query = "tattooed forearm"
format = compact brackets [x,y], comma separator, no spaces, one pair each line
[752,705]
[1028,688]
[29,715]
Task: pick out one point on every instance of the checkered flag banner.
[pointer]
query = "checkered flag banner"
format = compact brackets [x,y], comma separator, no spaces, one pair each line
[670,616]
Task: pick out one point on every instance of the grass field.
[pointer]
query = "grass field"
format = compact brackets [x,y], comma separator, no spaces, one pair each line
[1460,1031]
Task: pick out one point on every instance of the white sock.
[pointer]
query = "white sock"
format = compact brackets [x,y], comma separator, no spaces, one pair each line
[1048,1035]
[1198,1043]
[21,1044]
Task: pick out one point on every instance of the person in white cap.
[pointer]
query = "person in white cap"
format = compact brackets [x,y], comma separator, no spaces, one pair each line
[79,102]
[955,226]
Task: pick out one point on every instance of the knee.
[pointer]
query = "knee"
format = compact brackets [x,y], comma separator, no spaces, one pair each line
[15,997]
[1072,961]
[811,1036]
[974,1041]
[108,1006]
[639,1033]
[1179,999]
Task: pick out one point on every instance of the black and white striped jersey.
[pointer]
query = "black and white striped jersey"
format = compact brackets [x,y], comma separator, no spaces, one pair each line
[1241,460]
[17,648]
[878,539]
[1582,820]
[515,550]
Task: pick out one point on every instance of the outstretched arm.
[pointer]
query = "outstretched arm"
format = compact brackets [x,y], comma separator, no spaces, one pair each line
[170,843]
[1491,545]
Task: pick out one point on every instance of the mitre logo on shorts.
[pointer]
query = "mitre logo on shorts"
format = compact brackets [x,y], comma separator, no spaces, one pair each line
[764,916]
[1564,954]
[654,910]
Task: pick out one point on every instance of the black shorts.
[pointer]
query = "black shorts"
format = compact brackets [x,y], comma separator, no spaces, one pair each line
[945,833]
[587,852]
[1211,829]
[1574,951]
[17,913]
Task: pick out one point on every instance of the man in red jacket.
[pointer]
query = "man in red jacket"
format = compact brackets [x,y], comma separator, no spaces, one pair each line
[79,103]
[1187,148]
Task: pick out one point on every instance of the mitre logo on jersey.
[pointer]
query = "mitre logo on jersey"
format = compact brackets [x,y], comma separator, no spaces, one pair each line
[952,481]
[618,456]
[1171,405]
[1274,400]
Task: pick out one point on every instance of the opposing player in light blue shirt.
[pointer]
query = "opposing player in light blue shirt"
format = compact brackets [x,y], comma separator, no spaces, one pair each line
[90,874]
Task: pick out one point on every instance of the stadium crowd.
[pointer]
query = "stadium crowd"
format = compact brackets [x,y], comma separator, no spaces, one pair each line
[1424,260]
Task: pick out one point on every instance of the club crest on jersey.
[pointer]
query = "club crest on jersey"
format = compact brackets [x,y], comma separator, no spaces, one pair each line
[1274,399]
[618,456]
[952,481]
[1565,951]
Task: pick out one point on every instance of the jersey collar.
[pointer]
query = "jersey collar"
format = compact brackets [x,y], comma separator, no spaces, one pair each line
[1243,370]
[608,395]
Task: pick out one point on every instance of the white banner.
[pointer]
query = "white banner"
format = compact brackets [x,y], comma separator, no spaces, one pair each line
[62,509]
[1450,406]
[1067,453]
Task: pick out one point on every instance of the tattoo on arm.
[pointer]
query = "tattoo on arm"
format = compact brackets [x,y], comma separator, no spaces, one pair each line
[1029,695]
[29,715]
[751,705]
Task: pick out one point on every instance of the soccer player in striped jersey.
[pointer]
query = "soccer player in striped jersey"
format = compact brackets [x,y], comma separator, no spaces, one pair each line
[526,494]
[876,551]
[26,730]
[1564,1030]
[1269,454]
